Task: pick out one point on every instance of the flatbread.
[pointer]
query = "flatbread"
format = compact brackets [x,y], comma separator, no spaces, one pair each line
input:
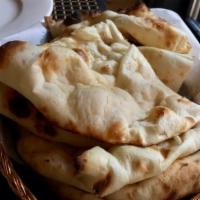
[140,10]
[181,179]
[172,68]
[139,23]
[97,84]
[104,172]
[52,160]
[63,28]
[124,165]
[150,31]
[16,107]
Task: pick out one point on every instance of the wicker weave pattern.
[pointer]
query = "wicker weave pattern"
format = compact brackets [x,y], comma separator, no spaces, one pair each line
[13,179]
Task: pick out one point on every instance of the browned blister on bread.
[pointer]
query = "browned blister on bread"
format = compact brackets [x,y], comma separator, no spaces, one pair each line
[67,86]
[139,24]
[104,172]
[180,180]
[16,107]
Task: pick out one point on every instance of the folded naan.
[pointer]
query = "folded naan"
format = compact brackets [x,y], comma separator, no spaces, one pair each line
[139,23]
[172,68]
[97,84]
[124,165]
[16,107]
[180,180]
[61,28]
[101,171]
[149,31]
[52,160]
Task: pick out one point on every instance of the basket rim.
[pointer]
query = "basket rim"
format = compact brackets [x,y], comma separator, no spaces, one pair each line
[13,179]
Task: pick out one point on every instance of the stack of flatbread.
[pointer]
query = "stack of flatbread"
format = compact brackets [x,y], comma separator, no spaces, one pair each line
[102,116]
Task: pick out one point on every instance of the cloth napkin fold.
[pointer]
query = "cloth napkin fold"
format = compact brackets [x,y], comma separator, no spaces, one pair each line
[37,34]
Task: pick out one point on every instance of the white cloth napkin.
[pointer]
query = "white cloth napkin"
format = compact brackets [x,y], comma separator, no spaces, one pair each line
[37,34]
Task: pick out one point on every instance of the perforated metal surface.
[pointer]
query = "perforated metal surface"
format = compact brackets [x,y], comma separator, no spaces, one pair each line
[64,8]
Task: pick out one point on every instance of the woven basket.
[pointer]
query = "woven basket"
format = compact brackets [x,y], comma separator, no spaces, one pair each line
[62,8]
[12,178]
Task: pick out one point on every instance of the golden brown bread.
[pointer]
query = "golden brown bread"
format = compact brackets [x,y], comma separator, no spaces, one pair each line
[149,31]
[16,107]
[97,84]
[163,61]
[52,160]
[104,172]
[124,165]
[172,68]
[138,24]
[181,179]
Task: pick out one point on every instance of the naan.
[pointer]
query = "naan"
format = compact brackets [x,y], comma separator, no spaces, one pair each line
[172,68]
[16,107]
[180,180]
[97,84]
[101,171]
[139,23]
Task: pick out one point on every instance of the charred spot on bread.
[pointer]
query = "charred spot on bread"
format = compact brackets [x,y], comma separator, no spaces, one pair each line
[158,112]
[8,50]
[43,126]
[19,106]
[141,165]
[101,185]
[81,53]
[48,63]
[115,132]
[165,152]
